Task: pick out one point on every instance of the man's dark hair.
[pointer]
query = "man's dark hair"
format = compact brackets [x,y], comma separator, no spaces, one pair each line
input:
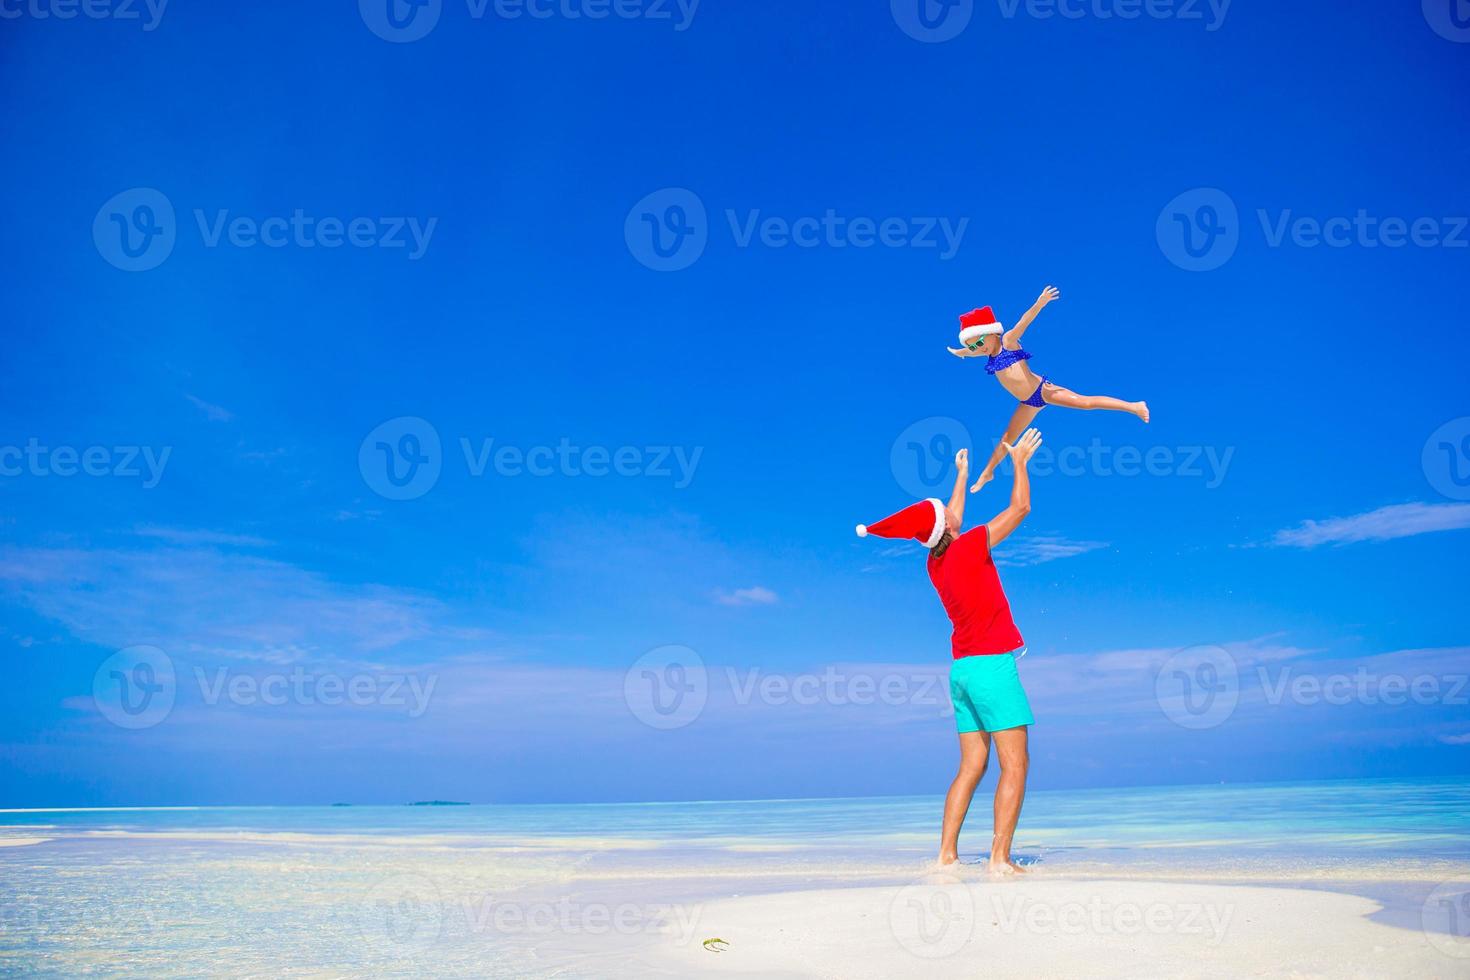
[939,549]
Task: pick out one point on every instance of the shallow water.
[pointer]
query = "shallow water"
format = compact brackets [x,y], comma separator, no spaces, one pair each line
[580,890]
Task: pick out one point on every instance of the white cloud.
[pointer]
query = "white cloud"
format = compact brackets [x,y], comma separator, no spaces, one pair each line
[1035,550]
[205,603]
[212,412]
[1383,524]
[344,514]
[756,595]
[1017,551]
[187,536]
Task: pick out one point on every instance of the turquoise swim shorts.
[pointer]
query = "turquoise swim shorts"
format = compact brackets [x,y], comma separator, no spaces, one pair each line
[987,694]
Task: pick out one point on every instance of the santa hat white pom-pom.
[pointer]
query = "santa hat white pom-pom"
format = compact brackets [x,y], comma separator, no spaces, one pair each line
[862,530]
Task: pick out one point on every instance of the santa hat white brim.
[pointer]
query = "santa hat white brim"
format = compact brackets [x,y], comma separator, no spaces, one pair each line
[938,523]
[974,333]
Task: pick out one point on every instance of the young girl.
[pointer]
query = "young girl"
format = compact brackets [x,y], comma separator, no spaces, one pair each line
[981,334]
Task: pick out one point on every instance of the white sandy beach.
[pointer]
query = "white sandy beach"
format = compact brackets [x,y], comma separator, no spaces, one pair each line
[1040,927]
[1267,881]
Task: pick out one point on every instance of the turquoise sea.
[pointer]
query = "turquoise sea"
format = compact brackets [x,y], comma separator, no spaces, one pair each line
[586,890]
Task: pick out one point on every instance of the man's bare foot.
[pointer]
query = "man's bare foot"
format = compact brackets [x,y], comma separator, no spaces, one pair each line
[1141,410]
[1005,867]
[948,857]
[985,477]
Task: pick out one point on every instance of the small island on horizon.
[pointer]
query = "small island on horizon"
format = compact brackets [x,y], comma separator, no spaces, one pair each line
[439,803]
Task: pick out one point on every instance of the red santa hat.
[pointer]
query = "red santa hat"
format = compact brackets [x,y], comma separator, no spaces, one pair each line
[978,323]
[923,521]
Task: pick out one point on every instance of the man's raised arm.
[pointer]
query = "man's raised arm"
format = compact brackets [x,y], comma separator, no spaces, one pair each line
[1001,526]
[957,498]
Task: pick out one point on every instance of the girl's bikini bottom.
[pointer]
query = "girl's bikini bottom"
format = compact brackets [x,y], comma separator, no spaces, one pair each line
[1035,401]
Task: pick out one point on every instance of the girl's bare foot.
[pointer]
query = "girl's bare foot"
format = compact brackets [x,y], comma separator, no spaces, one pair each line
[1141,410]
[948,857]
[985,477]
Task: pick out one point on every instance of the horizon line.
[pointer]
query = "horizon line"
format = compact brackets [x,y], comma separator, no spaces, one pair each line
[122,808]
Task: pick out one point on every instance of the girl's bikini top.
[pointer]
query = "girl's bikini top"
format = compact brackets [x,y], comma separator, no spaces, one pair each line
[1004,360]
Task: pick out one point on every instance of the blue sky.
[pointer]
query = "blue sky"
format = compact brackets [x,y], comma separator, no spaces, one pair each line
[1302,514]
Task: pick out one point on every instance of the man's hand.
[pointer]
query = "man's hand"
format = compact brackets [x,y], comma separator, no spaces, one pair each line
[1009,519]
[962,461]
[1025,446]
[1047,295]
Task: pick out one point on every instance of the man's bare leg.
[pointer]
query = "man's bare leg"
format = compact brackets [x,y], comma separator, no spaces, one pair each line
[1010,790]
[974,756]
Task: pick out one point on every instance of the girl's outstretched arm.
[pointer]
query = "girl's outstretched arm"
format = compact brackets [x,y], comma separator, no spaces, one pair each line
[1012,338]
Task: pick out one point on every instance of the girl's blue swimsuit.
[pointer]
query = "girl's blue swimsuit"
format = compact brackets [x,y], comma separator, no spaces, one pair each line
[1005,359]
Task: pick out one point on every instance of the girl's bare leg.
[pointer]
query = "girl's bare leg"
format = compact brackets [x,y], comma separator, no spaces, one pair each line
[1055,395]
[1023,417]
[974,756]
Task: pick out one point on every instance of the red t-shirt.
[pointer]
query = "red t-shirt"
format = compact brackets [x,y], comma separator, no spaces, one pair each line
[969,586]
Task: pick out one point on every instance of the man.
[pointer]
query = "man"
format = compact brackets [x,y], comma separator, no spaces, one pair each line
[990,705]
